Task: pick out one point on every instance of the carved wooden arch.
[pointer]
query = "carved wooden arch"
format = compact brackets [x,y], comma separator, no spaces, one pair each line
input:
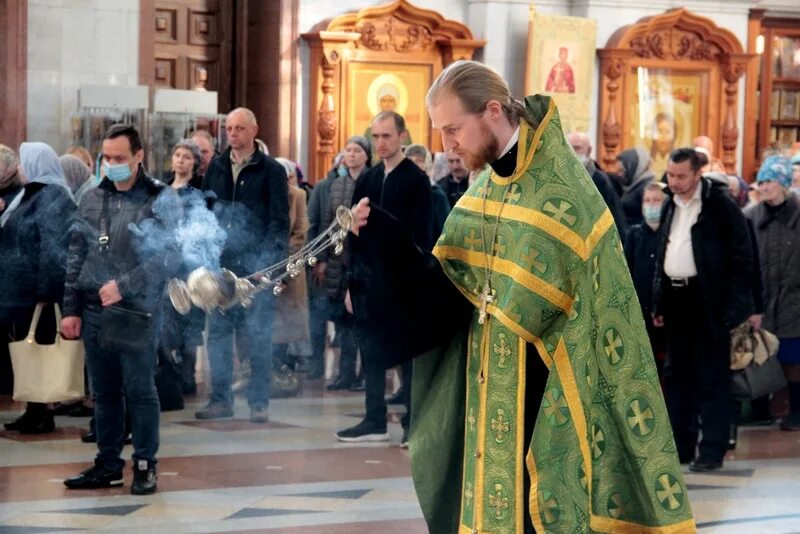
[680,40]
[397,32]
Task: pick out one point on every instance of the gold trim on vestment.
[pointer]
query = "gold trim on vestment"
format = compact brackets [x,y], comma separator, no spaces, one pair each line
[533,497]
[511,212]
[616,526]
[508,268]
[521,445]
[480,442]
[573,397]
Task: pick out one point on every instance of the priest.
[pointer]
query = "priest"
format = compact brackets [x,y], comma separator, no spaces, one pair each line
[536,402]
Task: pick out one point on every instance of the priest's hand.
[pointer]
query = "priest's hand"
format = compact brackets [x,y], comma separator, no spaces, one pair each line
[360,215]
[755,321]
[71,327]
[658,321]
[109,293]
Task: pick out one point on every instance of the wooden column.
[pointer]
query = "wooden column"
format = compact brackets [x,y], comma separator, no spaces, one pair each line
[751,104]
[13,72]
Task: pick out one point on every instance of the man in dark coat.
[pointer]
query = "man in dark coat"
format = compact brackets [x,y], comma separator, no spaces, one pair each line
[702,290]
[456,182]
[252,206]
[399,187]
[582,146]
[121,253]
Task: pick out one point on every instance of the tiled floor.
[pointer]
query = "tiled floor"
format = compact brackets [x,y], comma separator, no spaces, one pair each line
[290,477]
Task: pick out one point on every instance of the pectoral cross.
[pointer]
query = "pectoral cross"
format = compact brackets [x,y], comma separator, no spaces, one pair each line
[486,297]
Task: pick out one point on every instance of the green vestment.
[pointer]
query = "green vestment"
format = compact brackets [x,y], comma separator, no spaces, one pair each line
[602,457]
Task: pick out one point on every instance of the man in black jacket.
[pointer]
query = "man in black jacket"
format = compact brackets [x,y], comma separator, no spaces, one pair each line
[120,255]
[702,290]
[252,206]
[399,187]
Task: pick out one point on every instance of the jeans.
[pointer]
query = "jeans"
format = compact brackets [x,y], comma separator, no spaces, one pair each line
[120,382]
[251,328]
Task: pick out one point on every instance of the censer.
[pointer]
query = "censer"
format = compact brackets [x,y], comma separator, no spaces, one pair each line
[209,290]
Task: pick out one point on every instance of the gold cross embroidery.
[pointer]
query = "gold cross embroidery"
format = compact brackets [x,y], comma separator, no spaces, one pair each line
[669,492]
[560,213]
[515,193]
[498,502]
[499,246]
[614,343]
[500,425]
[472,241]
[639,417]
[530,259]
[468,495]
[503,351]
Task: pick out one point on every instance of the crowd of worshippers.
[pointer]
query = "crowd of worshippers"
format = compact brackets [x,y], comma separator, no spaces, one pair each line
[91,235]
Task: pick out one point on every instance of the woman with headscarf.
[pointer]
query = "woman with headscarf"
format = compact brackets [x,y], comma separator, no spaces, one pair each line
[33,252]
[78,175]
[776,220]
[636,174]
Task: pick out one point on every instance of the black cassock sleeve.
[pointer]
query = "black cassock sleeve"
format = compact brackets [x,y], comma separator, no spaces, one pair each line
[422,308]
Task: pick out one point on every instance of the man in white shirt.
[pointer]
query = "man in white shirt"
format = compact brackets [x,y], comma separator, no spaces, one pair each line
[702,290]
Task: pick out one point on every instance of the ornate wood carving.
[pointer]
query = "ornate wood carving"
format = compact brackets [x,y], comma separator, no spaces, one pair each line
[675,40]
[393,32]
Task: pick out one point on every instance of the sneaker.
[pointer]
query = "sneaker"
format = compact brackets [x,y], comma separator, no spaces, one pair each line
[144,478]
[258,414]
[404,439]
[214,410]
[97,476]
[363,431]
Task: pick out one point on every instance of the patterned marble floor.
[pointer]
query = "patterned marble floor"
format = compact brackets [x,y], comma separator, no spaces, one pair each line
[290,476]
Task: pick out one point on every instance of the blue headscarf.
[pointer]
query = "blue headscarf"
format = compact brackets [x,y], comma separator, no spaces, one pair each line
[40,165]
[776,169]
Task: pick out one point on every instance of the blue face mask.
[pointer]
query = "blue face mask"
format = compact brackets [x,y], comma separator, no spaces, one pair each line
[652,214]
[117,173]
[342,170]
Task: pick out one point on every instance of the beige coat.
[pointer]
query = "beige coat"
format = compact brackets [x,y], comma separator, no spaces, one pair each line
[291,317]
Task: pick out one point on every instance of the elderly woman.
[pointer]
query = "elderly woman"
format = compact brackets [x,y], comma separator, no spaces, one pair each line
[777,227]
[33,250]
[291,318]
[78,175]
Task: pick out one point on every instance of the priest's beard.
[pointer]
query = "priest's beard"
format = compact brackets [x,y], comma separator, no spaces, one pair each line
[487,154]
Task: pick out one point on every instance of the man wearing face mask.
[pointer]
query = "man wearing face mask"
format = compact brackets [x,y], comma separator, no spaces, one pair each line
[119,259]
[582,146]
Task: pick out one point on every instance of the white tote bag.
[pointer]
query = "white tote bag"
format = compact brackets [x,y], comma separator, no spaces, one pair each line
[47,373]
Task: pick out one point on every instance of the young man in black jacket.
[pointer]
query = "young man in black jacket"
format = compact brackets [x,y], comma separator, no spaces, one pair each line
[252,206]
[399,187]
[702,290]
[121,253]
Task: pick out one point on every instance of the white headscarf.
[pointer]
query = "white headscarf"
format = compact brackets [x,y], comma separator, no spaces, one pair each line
[40,165]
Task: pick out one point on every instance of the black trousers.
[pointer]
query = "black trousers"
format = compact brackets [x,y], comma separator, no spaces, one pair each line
[696,375]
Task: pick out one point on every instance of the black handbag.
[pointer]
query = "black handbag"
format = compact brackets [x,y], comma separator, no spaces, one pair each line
[126,330]
[756,380]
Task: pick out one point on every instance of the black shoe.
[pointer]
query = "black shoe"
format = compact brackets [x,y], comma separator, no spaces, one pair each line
[17,423]
[363,431]
[341,383]
[189,388]
[144,478]
[81,410]
[89,437]
[704,466]
[214,410]
[358,385]
[790,424]
[97,476]
[64,409]
[38,424]
[397,398]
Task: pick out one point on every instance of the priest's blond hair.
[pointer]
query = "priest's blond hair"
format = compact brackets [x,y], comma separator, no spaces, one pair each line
[475,84]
